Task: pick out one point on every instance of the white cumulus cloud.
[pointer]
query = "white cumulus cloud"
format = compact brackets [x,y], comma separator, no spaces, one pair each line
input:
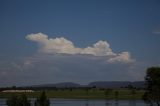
[122,57]
[64,46]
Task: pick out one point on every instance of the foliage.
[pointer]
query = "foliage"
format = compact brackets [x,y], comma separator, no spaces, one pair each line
[116,93]
[18,101]
[12,101]
[108,92]
[42,100]
[152,94]
[133,92]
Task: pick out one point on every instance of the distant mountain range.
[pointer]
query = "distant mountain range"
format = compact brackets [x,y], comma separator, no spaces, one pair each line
[98,84]
[59,85]
[117,84]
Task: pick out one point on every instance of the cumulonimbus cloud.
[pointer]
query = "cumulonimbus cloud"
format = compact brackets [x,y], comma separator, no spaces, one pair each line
[64,46]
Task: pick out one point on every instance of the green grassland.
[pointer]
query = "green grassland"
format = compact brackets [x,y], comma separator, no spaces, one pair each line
[83,94]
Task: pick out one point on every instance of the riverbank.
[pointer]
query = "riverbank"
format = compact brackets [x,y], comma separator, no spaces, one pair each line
[90,102]
[120,94]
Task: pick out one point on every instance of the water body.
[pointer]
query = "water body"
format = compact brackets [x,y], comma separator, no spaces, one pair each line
[83,102]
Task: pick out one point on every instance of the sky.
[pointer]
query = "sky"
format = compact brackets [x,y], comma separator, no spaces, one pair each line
[51,41]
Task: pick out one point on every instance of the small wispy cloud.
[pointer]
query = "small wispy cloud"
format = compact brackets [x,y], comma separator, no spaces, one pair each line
[156,31]
[64,46]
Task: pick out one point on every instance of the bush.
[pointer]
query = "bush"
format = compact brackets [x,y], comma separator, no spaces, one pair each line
[18,101]
[42,100]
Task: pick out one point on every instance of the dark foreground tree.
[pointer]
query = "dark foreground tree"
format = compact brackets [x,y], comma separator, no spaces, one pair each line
[18,101]
[152,79]
[42,100]
[24,101]
[12,101]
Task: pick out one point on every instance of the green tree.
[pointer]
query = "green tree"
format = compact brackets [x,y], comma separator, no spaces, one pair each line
[108,92]
[116,94]
[18,101]
[23,101]
[130,87]
[12,101]
[42,100]
[133,92]
[152,79]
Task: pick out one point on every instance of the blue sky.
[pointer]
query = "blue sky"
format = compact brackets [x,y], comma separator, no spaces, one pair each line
[131,26]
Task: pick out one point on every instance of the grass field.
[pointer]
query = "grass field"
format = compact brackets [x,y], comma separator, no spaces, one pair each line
[83,94]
